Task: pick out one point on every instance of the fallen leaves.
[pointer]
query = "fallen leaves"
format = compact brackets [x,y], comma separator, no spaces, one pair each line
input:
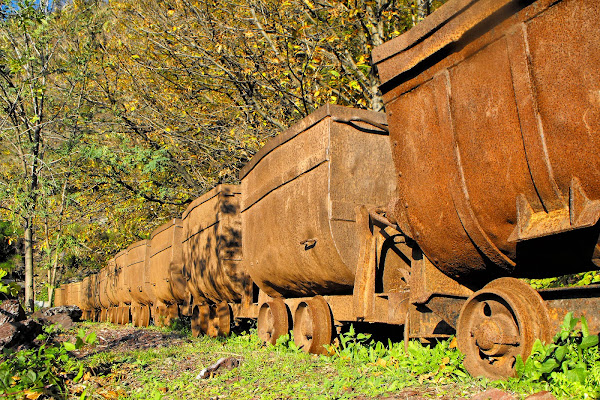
[32,394]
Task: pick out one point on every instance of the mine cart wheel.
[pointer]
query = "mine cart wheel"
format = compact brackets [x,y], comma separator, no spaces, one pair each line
[213,322]
[136,315]
[144,318]
[171,313]
[154,315]
[223,315]
[200,317]
[499,323]
[159,316]
[124,315]
[112,315]
[273,321]
[313,325]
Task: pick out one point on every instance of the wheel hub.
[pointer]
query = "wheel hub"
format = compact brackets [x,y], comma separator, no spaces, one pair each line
[495,335]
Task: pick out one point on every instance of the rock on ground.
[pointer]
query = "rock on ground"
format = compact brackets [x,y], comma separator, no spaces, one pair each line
[73,312]
[11,311]
[19,333]
[16,331]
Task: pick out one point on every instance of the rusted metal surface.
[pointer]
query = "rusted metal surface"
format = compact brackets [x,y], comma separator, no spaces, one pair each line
[313,325]
[110,288]
[211,319]
[299,195]
[166,264]
[58,296]
[102,294]
[141,290]
[273,321]
[96,293]
[499,323]
[163,315]
[212,246]
[494,110]
[121,286]
[136,267]
[85,297]
[581,300]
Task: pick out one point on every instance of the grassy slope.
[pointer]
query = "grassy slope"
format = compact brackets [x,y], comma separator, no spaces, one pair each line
[280,372]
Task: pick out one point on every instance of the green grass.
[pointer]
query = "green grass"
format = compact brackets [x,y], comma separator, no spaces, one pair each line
[273,372]
[356,367]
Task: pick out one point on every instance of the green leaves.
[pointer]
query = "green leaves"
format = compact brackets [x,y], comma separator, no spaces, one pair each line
[80,340]
[46,369]
[69,346]
[567,363]
[11,288]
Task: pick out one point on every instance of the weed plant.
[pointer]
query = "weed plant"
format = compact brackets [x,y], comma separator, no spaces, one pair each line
[44,370]
[569,367]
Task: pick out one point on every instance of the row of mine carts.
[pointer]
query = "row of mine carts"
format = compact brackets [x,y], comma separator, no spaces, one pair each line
[148,282]
[298,208]
[484,169]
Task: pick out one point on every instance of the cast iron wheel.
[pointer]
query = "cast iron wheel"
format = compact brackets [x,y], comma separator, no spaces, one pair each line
[313,325]
[212,329]
[223,316]
[111,315]
[200,315]
[135,315]
[273,321]
[124,315]
[171,313]
[499,323]
[119,317]
[157,316]
[116,315]
[144,317]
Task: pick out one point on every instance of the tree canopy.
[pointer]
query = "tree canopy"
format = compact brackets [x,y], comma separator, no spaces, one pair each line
[116,115]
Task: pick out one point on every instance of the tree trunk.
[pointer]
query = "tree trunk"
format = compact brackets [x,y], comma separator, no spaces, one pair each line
[423,9]
[29,294]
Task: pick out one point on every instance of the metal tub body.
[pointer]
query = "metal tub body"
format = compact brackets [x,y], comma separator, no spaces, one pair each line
[73,294]
[122,285]
[136,269]
[110,285]
[212,246]
[93,292]
[86,294]
[299,199]
[166,263]
[78,298]
[58,296]
[494,114]
[103,280]
[68,295]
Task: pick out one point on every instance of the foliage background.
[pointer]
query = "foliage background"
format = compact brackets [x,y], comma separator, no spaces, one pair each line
[116,115]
